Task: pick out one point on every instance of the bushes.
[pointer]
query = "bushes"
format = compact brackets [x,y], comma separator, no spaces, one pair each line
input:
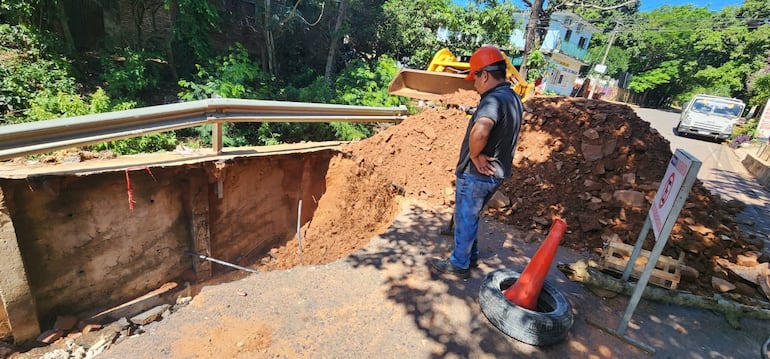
[29,68]
[36,87]
[126,73]
[236,76]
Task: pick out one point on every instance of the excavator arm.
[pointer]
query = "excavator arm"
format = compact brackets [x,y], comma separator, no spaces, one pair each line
[446,75]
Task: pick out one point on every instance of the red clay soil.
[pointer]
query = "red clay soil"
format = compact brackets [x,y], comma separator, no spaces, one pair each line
[573,156]
[357,205]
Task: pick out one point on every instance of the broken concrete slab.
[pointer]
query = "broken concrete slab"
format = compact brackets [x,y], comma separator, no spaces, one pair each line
[150,315]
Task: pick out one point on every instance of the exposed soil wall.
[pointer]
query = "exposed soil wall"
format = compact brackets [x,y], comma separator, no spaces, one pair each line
[85,248]
[82,245]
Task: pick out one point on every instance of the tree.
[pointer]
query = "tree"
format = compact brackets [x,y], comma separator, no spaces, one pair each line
[48,15]
[754,12]
[699,51]
[408,29]
[479,24]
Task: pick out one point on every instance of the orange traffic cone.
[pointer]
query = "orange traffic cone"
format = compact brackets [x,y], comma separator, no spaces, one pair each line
[527,288]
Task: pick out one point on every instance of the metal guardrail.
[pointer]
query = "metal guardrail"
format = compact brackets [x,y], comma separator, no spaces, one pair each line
[43,136]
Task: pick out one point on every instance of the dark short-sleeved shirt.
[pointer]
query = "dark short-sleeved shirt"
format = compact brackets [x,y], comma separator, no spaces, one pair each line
[503,106]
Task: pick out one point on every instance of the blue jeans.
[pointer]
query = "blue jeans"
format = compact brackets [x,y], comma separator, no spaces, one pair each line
[471,194]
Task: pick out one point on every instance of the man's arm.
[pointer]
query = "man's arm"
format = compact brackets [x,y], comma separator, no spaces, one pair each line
[476,143]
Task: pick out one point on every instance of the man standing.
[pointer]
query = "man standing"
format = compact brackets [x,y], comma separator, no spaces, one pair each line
[486,156]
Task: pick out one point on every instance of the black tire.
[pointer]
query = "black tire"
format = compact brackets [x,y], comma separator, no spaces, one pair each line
[548,325]
[677,132]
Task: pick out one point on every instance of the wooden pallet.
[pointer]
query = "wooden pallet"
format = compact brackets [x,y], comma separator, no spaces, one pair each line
[667,272]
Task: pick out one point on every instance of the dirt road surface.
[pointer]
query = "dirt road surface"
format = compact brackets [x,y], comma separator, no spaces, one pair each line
[383,302]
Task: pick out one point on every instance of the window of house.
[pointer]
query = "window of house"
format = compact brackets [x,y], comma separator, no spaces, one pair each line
[561,77]
[582,43]
[567,35]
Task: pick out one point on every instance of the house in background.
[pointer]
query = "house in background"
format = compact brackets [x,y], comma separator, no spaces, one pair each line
[565,45]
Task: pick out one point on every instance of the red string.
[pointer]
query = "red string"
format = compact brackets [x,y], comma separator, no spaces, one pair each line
[150,172]
[130,192]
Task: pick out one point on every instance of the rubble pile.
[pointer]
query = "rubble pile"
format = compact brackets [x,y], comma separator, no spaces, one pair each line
[593,163]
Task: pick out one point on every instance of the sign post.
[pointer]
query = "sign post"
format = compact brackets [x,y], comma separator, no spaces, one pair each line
[672,193]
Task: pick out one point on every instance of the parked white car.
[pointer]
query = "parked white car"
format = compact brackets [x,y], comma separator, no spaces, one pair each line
[711,116]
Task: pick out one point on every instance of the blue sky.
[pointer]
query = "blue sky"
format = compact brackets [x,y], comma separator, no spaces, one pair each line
[714,5]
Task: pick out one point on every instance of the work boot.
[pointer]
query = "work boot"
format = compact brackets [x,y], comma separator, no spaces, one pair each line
[474,262]
[445,266]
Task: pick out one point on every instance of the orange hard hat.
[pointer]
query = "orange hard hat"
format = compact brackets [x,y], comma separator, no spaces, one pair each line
[483,57]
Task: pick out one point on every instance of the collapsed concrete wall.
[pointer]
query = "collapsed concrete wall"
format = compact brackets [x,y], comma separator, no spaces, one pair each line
[84,247]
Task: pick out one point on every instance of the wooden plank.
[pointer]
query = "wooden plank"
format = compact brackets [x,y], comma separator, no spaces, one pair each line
[160,296]
[667,271]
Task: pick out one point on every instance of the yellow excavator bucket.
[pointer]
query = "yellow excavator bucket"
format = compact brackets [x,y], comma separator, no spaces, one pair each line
[427,85]
[444,76]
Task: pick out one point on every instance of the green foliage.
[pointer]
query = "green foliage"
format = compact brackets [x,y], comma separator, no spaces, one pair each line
[365,85]
[233,75]
[760,90]
[716,52]
[319,91]
[46,106]
[14,10]
[723,81]
[195,20]
[350,131]
[750,128]
[490,23]
[126,73]
[537,65]
[28,67]
[156,142]
[617,60]
[650,80]
[408,29]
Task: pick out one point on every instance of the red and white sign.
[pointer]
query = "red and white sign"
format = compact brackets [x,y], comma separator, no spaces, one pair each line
[669,188]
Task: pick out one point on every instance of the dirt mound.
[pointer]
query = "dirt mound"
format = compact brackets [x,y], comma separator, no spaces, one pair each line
[593,163]
[358,204]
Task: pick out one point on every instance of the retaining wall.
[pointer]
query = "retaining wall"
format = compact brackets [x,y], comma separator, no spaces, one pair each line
[83,247]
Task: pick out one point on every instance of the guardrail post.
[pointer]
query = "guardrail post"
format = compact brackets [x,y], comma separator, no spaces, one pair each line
[216,138]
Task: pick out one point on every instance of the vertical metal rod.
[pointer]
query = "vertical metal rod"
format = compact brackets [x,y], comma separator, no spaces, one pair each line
[641,285]
[219,261]
[299,233]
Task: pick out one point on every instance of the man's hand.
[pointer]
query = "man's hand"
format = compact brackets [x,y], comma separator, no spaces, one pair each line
[477,140]
[484,164]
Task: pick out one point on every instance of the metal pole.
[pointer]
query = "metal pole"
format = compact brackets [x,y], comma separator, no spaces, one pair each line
[637,248]
[606,52]
[207,258]
[299,233]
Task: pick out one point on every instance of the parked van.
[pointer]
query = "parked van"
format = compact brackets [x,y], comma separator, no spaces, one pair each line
[712,116]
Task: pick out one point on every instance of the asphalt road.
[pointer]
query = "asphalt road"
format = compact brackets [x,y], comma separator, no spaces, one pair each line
[721,172]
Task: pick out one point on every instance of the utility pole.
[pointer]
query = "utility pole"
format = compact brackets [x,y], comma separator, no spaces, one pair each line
[601,67]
